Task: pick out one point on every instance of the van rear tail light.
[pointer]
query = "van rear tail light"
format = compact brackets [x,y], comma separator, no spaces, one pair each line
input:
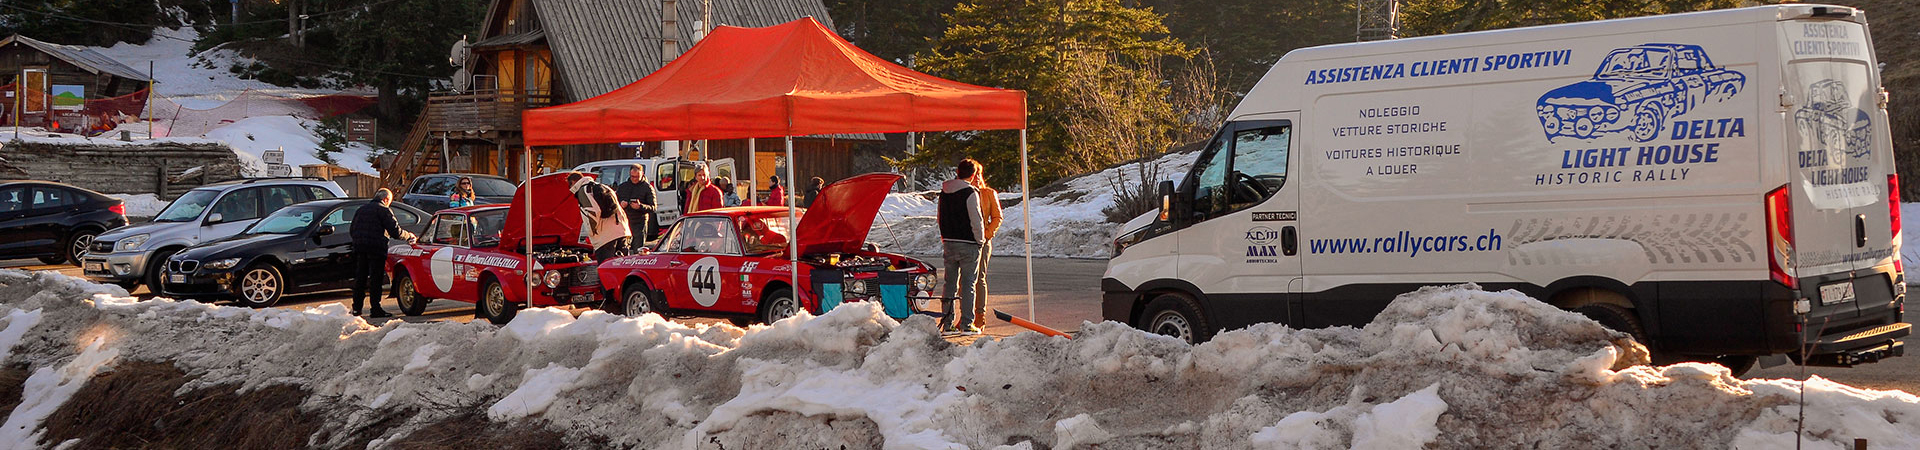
[1780,237]
[1893,218]
[121,208]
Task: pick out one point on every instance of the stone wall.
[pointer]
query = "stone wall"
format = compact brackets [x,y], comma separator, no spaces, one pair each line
[166,168]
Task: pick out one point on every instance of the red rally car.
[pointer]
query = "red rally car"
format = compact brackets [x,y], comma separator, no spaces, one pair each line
[477,254]
[732,262]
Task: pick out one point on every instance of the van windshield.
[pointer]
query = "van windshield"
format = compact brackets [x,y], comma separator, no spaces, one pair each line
[187,207]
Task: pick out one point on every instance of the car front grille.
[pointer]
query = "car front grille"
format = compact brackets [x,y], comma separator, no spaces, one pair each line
[101,247]
[585,276]
[183,266]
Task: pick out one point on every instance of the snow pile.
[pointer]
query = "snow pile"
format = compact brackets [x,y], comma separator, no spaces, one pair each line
[142,205]
[1452,367]
[1070,222]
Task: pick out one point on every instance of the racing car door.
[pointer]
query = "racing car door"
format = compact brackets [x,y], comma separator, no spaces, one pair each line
[435,274]
[704,266]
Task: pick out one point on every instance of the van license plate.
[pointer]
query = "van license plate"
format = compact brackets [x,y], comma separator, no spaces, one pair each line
[95,267]
[1841,292]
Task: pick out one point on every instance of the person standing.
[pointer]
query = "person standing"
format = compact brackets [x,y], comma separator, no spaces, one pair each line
[372,225]
[777,194]
[727,192]
[991,218]
[607,226]
[813,191]
[704,195]
[462,194]
[637,197]
[961,232]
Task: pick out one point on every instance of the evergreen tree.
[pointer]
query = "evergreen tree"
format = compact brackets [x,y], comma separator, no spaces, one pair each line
[892,29]
[1428,17]
[1027,44]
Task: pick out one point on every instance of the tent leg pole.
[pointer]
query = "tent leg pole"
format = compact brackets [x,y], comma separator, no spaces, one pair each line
[526,182]
[793,232]
[1026,219]
[752,176]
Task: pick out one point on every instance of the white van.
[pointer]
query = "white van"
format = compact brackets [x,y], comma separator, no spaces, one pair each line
[1719,184]
[666,183]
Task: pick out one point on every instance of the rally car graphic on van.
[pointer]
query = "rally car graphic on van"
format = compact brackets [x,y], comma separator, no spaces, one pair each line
[1636,90]
[1832,121]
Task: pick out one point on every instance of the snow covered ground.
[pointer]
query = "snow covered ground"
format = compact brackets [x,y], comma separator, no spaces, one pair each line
[1450,367]
[195,80]
[203,81]
[1070,222]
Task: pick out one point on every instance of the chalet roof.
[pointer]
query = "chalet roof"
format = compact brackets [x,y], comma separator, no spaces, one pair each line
[601,45]
[510,40]
[83,57]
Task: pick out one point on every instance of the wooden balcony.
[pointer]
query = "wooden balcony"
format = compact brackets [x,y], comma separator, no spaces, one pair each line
[482,111]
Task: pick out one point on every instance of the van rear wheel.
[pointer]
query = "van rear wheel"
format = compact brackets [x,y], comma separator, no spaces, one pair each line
[1177,315]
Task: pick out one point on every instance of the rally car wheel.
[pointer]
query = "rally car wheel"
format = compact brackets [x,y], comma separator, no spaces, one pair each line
[1176,315]
[636,303]
[260,286]
[411,303]
[494,305]
[780,304]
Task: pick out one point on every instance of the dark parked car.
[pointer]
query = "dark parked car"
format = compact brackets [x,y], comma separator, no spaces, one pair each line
[431,193]
[52,221]
[298,249]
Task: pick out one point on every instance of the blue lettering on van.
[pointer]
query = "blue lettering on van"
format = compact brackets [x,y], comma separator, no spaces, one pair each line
[1638,90]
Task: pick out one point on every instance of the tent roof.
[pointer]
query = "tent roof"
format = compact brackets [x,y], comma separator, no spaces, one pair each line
[792,79]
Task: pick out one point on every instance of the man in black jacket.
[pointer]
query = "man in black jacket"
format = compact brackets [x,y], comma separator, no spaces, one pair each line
[637,196]
[961,232]
[372,224]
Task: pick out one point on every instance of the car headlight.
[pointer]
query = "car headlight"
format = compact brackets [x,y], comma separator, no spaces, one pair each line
[552,279]
[925,282]
[131,243]
[222,264]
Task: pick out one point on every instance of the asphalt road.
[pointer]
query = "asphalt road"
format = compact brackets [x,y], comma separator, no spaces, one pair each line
[1066,293]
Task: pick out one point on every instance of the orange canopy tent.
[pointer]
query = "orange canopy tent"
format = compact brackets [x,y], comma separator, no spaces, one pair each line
[792,79]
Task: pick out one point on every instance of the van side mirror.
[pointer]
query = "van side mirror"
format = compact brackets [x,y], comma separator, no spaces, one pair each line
[215,218]
[1166,199]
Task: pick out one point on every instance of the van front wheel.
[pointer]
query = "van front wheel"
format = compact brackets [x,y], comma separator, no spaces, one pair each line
[1177,315]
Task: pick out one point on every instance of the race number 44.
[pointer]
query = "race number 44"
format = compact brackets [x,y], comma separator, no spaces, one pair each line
[703,281]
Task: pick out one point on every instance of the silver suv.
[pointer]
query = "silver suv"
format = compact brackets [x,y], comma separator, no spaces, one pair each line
[133,255]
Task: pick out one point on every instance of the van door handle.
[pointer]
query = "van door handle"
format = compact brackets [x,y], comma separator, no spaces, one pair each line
[1860,230]
[1289,240]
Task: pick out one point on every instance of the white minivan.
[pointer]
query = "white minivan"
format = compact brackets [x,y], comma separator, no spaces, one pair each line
[1719,184]
[667,182]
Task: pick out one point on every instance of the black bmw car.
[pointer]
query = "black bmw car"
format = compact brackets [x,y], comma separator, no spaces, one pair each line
[298,249]
[52,221]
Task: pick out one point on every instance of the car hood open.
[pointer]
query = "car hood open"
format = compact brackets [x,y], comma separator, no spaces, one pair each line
[556,214]
[843,213]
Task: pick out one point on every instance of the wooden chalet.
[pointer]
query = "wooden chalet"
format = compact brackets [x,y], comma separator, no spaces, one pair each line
[538,53]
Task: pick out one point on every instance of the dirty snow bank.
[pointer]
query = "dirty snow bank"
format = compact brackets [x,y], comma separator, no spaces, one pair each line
[1070,222]
[1452,367]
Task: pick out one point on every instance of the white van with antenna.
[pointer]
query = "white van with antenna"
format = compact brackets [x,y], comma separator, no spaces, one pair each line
[1719,184]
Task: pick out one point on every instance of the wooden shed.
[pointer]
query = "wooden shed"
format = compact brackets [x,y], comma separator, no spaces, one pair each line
[51,82]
